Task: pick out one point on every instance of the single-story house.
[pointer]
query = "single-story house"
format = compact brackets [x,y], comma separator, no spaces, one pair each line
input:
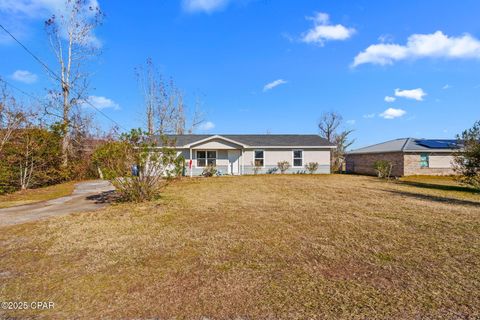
[238,154]
[409,156]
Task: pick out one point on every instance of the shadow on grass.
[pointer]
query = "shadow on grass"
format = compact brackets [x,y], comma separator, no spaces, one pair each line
[437,186]
[427,197]
[104,197]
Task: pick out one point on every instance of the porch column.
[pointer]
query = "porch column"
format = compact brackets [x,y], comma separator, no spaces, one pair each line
[243,164]
[191,161]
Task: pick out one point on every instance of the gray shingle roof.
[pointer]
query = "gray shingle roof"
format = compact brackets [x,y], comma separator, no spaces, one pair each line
[410,145]
[256,140]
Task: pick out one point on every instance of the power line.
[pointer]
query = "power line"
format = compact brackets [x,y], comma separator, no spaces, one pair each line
[56,76]
[34,98]
[20,90]
[30,96]
[31,53]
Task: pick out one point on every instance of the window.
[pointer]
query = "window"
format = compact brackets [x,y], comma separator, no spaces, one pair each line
[259,159]
[298,158]
[424,160]
[206,158]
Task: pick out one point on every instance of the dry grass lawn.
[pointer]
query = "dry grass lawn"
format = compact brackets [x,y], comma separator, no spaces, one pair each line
[289,247]
[36,195]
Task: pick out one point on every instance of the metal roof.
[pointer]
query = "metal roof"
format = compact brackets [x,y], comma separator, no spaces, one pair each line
[253,140]
[411,145]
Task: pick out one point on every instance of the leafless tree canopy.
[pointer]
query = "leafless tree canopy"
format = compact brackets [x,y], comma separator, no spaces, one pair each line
[329,126]
[165,109]
[72,39]
[11,116]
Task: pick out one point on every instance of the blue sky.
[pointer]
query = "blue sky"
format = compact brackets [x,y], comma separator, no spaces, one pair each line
[275,66]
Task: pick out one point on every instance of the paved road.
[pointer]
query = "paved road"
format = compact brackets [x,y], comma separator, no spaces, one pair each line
[87,196]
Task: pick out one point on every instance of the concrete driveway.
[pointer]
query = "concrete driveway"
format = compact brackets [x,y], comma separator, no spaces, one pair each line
[87,196]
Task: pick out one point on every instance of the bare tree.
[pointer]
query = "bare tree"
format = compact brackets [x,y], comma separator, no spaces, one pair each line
[342,141]
[329,125]
[73,42]
[198,117]
[148,80]
[11,116]
[165,109]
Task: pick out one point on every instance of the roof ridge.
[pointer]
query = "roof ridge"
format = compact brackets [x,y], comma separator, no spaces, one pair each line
[405,144]
[377,144]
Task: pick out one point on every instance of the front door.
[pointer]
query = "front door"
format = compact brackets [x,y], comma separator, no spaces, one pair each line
[234,162]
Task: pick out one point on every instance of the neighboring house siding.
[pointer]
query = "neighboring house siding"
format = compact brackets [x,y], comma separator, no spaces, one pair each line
[364,163]
[404,164]
[441,161]
[439,164]
[321,156]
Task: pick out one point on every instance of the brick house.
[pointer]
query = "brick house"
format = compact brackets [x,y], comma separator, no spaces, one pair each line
[409,156]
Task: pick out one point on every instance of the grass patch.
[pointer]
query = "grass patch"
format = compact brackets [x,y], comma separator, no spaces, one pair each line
[272,246]
[36,195]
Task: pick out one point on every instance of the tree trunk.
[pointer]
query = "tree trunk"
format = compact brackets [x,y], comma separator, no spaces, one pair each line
[66,123]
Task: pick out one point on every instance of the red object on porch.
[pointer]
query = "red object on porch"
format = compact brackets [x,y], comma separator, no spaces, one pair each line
[190,164]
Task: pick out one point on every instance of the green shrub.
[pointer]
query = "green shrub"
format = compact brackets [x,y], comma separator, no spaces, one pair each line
[383,168]
[209,171]
[311,167]
[467,160]
[272,170]
[154,166]
[31,159]
[283,166]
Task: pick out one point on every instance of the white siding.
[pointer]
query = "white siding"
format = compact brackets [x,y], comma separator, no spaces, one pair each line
[440,161]
[273,156]
[322,157]
[216,144]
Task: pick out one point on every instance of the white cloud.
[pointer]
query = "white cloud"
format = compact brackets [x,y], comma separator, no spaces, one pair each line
[19,12]
[24,76]
[392,113]
[324,31]
[101,102]
[273,84]
[351,122]
[37,8]
[32,8]
[390,99]
[206,126]
[434,45]
[385,38]
[369,116]
[415,94]
[447,86]
[207,6]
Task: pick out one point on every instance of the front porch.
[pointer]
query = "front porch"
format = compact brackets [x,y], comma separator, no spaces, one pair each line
[227,161]
[226,155]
